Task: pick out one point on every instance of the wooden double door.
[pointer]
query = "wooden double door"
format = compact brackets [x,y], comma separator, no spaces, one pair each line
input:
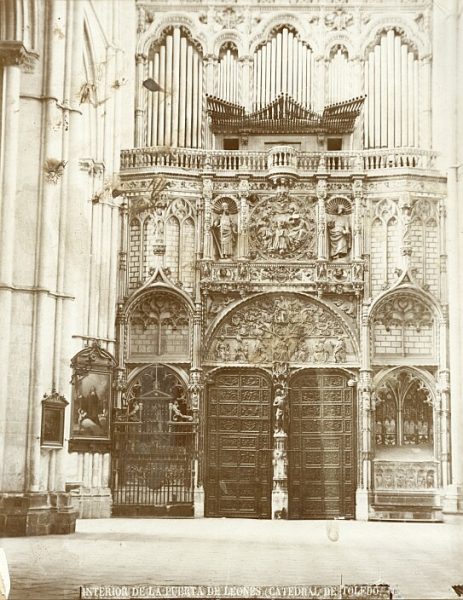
[239,445]
[321,479]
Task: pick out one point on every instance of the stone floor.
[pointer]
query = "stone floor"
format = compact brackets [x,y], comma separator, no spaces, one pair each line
[417,560]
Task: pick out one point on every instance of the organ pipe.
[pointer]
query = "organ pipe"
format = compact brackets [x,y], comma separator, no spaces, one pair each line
[390,88]
[182,93]
[340,76]
[173,114]
[392,85]
[284,64]
[397,92]
[168,94]
[175,85]
[154,125]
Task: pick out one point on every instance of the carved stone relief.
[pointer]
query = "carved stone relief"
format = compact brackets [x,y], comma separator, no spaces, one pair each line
[390,475]
[282,227]
[281,328]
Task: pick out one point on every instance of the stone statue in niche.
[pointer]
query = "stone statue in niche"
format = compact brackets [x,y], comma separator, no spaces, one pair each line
[279,403]
[339,228]
[158,228]
[224,230]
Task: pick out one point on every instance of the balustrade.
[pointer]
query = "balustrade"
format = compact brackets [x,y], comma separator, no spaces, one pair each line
[278,157]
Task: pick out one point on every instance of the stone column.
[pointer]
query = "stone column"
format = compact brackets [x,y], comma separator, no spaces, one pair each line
[243,241]
[322,254]
[454,105]
[365,420]
[357,250]
[280,441]
[123,250]
[195,391]
[208,186]
[9,143]
[406,246]
[442,415]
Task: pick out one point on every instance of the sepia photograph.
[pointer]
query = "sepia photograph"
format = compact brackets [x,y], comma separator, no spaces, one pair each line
[231,282]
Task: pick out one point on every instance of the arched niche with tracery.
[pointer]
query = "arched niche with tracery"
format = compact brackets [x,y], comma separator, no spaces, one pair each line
[424,241]
[283,64]
[385,244]
[173,108]
[158,328]
[404,411]
[393,91]
[167,230]
[403,326]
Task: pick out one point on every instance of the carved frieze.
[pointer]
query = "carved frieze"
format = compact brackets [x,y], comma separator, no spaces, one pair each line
[281,328]
[282,227]
[402,475]
[338,278]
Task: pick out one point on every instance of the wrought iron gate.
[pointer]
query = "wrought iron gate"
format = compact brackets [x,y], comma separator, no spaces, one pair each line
[321,446]
[152,454]
[239,463]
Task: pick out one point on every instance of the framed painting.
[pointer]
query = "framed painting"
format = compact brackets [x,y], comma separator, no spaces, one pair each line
[91,399]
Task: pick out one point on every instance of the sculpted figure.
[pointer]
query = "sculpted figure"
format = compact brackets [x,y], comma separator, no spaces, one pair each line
[158,226]
[224,232]
[279,404]
[339,351]
[339,232]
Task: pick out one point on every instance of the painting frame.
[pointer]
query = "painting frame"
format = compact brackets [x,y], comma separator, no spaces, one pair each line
[92,399]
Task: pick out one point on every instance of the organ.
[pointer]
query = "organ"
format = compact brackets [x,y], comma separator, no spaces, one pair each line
[282,74]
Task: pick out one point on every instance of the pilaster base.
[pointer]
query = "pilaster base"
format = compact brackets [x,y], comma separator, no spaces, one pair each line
[198,503]
[36,513]
[362,501]
[90,503]
[452,501]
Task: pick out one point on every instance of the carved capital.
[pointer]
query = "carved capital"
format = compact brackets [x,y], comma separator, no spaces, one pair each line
[13,53]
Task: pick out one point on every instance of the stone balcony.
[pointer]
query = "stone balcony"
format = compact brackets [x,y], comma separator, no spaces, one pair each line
[279,161]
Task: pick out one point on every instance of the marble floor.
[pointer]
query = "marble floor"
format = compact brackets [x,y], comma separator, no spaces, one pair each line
[418,560]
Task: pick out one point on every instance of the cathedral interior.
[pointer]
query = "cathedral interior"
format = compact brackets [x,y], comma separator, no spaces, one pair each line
[229,260]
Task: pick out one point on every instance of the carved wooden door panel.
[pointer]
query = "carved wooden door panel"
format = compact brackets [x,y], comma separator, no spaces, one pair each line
[322,446]
[239,467]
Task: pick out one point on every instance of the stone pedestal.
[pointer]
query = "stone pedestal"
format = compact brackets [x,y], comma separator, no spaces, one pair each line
[452,502]
[362,499]
[90,503]
[198,502]
[280,477]
[39,513]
